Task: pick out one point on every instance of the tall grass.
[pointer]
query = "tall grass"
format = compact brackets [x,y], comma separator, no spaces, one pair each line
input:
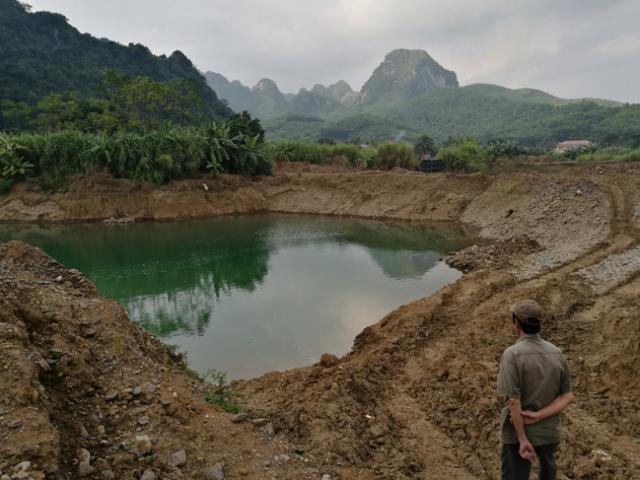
[392,155]
[157,157]
[322,154]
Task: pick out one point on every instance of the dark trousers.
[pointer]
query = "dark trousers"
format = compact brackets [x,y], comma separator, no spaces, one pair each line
[514,467]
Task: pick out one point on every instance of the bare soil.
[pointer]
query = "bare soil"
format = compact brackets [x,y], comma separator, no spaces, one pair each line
[415,398]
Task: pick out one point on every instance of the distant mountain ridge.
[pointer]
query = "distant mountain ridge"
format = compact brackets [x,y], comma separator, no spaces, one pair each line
[410,94]
[265,100]
[402,74]
[41,53]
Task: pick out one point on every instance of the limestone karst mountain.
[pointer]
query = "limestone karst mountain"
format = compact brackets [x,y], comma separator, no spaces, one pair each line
[404,74]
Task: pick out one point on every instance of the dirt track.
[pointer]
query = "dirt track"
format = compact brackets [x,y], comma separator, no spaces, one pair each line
[415,397]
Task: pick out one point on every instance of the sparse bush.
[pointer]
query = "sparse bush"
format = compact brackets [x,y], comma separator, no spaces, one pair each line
[575,152]
[391,155]
[611,154]
[218,392]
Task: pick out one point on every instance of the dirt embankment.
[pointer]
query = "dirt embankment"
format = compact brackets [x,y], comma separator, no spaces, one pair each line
[402,196]
[415,397]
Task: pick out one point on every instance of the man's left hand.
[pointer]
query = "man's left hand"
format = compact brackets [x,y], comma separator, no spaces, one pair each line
[529,417]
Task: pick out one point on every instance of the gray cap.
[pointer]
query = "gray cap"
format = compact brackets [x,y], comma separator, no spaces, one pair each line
[528,311]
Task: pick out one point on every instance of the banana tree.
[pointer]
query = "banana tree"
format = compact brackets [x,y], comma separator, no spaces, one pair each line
[12,166]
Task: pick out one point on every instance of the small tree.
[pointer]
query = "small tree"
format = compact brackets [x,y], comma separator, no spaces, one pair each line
[243,124]
[425,146]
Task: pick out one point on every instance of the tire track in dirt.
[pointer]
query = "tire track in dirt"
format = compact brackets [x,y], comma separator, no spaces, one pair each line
[543,287]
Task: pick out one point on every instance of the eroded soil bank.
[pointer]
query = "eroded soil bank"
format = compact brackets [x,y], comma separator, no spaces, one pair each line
[414,398]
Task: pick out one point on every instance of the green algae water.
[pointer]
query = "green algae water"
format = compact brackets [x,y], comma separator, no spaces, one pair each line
[251,294]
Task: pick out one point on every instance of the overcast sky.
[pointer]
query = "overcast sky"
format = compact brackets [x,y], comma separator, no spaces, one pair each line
[571,48]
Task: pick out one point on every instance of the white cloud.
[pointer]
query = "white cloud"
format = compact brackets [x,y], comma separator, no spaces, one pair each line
[570,48]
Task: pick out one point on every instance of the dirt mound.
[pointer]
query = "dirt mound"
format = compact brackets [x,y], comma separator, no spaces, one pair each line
[87,393]
[392,195]
[499,255]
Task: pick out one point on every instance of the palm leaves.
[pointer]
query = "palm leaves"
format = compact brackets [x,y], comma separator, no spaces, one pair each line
[237,153]
[158,156]
[12,165]
[222,146]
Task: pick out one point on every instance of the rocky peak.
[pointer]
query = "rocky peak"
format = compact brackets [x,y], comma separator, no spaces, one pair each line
[404,74]
[337,91]
[266,85]
[270,100]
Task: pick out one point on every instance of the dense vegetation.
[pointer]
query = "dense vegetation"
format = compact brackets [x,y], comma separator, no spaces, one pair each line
[235,146]
[133,104]
[527,117]
[40,54]
[383,157]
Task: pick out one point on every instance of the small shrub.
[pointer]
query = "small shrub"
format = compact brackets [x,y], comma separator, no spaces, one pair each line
[391,155]
[12,165]
[218,392]
[465,155]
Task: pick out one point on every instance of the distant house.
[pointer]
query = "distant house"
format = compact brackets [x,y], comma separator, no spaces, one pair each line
[572,145]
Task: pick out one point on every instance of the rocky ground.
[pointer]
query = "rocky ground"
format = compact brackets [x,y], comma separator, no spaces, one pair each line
[90,394]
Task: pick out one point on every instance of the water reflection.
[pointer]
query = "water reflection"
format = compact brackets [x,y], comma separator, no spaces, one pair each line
[251,294]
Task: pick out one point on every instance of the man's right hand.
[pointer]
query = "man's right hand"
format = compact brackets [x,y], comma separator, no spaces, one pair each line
[527,451]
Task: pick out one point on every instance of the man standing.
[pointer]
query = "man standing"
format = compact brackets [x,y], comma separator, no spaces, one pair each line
[534,377]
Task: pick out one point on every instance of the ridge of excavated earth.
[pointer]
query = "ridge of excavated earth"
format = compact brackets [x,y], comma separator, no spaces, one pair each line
[415,398]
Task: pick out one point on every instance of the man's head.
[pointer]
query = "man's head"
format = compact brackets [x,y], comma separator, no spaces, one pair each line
[527,316]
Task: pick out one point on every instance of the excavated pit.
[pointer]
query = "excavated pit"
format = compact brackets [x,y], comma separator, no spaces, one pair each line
[415,396]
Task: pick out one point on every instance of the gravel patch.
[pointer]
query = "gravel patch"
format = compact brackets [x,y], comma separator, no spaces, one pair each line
[612,271]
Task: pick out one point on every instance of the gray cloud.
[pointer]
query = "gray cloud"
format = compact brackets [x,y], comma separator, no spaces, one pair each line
[571,48]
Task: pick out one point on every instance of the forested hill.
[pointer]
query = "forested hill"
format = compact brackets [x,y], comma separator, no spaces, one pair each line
[40,53]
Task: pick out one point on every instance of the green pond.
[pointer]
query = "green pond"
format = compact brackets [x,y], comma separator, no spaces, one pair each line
[251,294]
